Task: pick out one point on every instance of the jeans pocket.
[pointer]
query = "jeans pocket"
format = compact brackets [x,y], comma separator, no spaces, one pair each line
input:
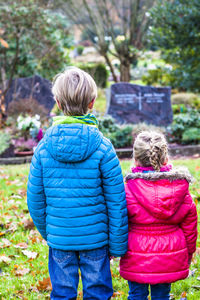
[95,254]
[61,255]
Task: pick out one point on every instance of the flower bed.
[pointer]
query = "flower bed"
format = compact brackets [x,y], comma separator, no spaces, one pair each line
[21,136]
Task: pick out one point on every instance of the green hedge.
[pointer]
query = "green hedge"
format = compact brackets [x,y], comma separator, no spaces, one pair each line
[97,71]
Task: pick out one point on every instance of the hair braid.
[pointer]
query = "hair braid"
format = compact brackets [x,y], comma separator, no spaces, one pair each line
[150,149]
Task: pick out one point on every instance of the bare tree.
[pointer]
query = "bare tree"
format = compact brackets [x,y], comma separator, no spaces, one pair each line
[106,17]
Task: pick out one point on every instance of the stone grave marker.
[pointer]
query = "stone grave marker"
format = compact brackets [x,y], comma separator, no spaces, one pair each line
[34,87]
[130,103]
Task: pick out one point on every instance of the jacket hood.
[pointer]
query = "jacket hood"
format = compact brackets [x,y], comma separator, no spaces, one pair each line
[160,193]
[72,142]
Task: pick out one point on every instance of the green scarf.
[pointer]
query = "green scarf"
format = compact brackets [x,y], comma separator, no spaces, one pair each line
[88,119]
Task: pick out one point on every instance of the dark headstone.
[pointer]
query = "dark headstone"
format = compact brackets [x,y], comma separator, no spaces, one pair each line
[130,103]
[34,87]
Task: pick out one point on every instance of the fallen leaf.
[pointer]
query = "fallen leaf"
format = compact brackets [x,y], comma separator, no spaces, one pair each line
[16,197]
[21,246]
[30,254]
[28,224]
[118,293]
[80,295]
[5,243]
[44,285]
[21,272]
[5,259]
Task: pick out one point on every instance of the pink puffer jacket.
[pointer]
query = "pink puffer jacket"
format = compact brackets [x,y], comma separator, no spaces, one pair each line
[162,226]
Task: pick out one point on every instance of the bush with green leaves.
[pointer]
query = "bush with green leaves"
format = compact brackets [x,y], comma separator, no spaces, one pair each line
[38,40]
[175,31]
[5,139]
[191,135]
[179,108]
[184,102]
[159,76]
[119,135]
[185,128]
[80,49]
[123,135]
[97,71]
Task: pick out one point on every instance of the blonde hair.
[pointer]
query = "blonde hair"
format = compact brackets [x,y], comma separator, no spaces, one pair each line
[74,89]
[150,149]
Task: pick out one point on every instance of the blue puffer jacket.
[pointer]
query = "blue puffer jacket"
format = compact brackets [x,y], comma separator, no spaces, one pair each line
[75,190]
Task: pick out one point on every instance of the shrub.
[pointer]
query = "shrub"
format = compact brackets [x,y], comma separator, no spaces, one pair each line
[5,142]
[179,108]
[80,49]
[28,106]
[159,76]
[97,71]
[191,135]
[189,99]
[120,136]
[183,125]
[123,135]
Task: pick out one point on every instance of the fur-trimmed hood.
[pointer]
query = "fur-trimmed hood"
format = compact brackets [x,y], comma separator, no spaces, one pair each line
[160,193]
[171,175]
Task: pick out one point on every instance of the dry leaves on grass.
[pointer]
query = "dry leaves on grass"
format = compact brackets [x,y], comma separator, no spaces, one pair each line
[21,246]
[21,272]
[117,294]
[44,285]
[183,296]
[30,254]
[5,259]
[5,243]
[28,224]
[80,295]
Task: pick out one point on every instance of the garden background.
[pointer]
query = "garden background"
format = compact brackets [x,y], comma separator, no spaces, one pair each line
[143,42]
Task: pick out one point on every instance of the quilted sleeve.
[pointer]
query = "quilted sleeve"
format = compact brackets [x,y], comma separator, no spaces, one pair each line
[189,227]
[36,199]
[114,194]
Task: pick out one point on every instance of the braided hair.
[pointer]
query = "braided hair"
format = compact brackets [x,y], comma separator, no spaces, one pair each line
[150,149]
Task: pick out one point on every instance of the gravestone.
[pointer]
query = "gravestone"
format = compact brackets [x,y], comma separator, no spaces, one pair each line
[34,87]
[130,103]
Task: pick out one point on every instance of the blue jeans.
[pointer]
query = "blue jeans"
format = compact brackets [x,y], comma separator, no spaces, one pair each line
[140,291]
[95,273]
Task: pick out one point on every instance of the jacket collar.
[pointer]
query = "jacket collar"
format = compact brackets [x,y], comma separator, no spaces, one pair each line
[167,173]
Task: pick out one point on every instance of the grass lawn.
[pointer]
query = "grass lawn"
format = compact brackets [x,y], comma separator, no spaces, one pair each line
[23,253]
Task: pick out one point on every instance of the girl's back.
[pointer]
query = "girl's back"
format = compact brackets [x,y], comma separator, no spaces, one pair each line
[159,204]
[162,221]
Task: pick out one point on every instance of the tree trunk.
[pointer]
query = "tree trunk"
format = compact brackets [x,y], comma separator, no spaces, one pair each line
[125,71]
[108,62]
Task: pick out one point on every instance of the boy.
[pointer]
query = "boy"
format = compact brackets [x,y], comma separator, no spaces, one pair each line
[76,194]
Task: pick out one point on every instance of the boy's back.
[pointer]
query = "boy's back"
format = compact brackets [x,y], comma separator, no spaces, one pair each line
[76,194]
[76,189]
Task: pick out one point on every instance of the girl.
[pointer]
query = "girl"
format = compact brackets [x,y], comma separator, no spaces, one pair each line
[162,221]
